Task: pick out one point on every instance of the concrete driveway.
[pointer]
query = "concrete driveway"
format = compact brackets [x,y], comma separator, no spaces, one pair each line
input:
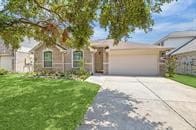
[141,103]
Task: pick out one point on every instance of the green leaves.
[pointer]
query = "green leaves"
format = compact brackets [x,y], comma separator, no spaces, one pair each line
[47,20]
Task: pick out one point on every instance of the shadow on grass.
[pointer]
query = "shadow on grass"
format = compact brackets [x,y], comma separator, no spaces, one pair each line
[113,110]
[43,104]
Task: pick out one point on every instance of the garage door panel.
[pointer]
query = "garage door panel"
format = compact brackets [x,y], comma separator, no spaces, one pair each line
[127,64]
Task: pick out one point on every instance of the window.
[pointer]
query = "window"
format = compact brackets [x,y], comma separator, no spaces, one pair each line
[77,57]
[47,59]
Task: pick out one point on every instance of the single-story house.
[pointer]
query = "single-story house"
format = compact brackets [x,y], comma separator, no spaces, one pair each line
[183,46]
[20,60]
[101,57]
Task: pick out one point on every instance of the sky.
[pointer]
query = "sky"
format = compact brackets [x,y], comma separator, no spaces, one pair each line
[176,16]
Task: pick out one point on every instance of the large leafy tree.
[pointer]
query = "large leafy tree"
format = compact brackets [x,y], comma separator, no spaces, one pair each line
[71,22]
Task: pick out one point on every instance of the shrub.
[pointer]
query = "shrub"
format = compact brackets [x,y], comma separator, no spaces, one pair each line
[74,74]
[45,74]
[77,74]
[3,71]
[171,66]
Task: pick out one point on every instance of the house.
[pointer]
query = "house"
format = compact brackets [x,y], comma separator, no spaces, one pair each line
[15,60]
[183,46]
[176,39]
[186,58]
[101,57]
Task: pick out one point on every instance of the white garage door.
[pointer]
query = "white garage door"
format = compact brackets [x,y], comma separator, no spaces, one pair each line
[6,63]
[128,64]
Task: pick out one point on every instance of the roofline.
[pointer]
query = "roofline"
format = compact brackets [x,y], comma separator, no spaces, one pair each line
[61,48]
[18,50]
[163,49]
[57,45]
[181,46]
[99,40]
[162,39]
[35,47]
[169,36]
[184,52]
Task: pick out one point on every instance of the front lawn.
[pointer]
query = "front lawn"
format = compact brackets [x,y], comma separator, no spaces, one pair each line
[185,79]
[38,104]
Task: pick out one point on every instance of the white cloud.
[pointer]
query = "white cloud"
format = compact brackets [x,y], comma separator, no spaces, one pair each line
[162,29]
[176,7]
[191,25]
[169,26]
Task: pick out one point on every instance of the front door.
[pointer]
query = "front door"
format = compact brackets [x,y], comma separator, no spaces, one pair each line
[99,60]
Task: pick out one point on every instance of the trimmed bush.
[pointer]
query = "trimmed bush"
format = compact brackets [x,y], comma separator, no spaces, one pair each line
[3,71]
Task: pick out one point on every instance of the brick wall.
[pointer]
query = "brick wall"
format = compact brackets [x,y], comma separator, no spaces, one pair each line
[57,58]
[61,61]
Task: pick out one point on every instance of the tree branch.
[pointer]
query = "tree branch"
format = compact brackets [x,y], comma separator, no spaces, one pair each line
[50,11]
[24,21]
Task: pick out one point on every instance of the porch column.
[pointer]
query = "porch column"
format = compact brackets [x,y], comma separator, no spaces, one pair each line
[93,51]
[105,62]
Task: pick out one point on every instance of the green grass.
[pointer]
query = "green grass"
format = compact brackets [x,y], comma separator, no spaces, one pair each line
[38,104]
[185,79]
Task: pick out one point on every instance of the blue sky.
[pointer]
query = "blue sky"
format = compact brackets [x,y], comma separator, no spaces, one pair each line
[177,16]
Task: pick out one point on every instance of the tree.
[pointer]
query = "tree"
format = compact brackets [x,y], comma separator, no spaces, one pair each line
[71,22]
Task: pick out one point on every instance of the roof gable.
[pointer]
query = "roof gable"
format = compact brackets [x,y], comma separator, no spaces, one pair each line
[188,47]
[176,35]
[58,46]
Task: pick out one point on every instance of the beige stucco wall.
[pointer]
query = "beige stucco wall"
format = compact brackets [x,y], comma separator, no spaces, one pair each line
[5,49]
[6,62]
[186,63]
[24,62]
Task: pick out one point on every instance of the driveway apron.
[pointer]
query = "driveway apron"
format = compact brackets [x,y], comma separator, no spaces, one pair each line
[141,103]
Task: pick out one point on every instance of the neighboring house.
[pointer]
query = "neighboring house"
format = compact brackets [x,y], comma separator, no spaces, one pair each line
[101,57]
[15,61]
[186,58]
[183,46]
[176,39]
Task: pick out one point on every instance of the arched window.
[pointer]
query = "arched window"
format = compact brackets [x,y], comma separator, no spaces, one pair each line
[48,59]
[77,57]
